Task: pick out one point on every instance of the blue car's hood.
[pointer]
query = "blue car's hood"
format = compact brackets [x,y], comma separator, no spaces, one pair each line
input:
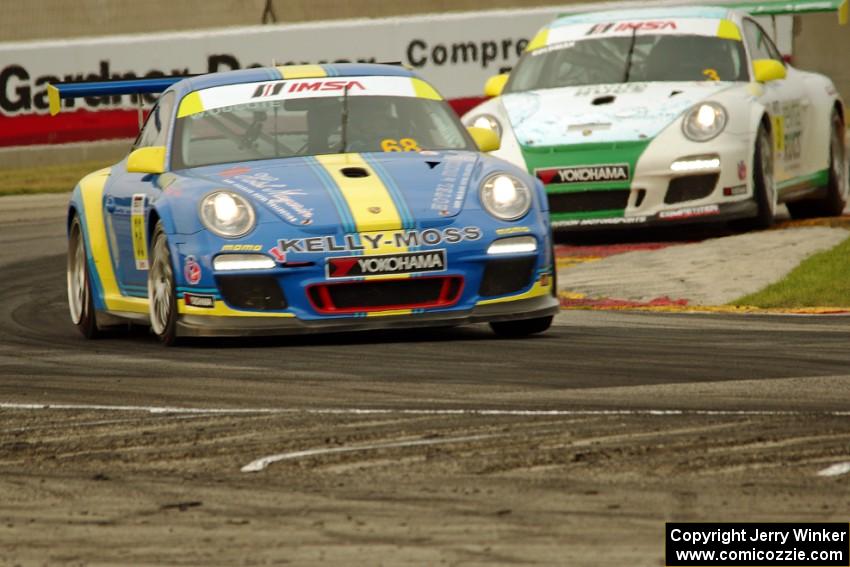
[315,193]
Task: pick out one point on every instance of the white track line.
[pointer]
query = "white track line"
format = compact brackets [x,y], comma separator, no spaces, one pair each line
[835,470]
[262,463]
[410,411]
[79,424]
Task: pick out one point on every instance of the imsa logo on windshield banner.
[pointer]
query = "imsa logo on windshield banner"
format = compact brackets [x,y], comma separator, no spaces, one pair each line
[584,174]
[386,264]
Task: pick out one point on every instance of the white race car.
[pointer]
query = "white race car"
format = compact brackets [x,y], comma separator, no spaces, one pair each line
[663,115]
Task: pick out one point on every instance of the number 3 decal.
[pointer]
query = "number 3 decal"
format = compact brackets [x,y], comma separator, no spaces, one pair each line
[401,145]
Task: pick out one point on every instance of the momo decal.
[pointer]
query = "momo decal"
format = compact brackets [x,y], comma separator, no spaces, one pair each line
[242,248]
[584,174]
[368,241]
[386,264]
[139,234]
[192,270]
[196,300]
[451,190]
[513,230]
[270,191]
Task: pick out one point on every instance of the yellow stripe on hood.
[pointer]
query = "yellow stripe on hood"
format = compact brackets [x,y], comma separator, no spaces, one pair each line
[368,199]
[302,71]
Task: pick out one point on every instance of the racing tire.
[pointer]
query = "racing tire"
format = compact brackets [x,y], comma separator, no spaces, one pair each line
[80,297]
[521,328]
[162,296]
[764,185]
[831,205]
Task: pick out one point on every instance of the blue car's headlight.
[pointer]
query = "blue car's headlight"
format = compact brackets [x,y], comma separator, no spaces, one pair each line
[505,197]
[227,214]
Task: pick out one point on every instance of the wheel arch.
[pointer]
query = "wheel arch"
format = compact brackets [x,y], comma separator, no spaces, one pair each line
[160,212]
[767,122]
[839,108]
[153,219]
[72,212]
[75,208]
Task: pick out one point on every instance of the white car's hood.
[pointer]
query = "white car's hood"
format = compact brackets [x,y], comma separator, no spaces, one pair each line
[602,113]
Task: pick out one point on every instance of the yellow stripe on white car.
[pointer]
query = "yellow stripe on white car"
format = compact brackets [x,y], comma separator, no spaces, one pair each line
[728,30]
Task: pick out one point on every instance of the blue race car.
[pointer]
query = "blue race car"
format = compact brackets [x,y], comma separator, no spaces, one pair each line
[305,199]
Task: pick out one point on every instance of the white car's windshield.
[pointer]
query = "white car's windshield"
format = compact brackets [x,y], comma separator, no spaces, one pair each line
[608,60]
[268,129]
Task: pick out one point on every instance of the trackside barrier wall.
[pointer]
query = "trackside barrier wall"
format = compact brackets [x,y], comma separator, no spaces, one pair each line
[456,52]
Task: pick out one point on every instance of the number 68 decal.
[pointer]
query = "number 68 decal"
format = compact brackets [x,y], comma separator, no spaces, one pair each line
[400,145]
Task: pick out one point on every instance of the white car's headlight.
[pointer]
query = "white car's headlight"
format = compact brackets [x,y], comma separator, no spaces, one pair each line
[505,197]
[488,122]
[227,214]
[704,122]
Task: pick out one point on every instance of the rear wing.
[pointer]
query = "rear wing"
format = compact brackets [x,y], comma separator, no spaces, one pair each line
[792,7]
[764,8]
[58,92]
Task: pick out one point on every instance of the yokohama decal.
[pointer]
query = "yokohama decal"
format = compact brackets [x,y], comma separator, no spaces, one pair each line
[584,174]
[386,264]
[196,300]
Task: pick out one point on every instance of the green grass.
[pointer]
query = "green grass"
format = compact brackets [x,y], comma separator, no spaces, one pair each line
[46,179]
[822,280]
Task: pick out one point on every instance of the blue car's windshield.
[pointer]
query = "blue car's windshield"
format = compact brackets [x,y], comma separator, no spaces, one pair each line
[268,129]
[654,57]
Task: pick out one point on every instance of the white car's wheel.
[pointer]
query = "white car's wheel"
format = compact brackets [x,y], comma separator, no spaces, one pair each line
[833,203]
[764,185]
[162,298]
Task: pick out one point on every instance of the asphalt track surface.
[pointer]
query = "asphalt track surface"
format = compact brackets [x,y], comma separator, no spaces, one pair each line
[419,447]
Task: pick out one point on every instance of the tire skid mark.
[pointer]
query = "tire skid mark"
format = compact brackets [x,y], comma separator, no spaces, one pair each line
[69,425]
[778,443]
[627,437]
[46,406]
[262,463]
[837,469]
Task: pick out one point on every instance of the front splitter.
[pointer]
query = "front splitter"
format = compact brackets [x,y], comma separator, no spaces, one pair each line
[215,326]
[686,215]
